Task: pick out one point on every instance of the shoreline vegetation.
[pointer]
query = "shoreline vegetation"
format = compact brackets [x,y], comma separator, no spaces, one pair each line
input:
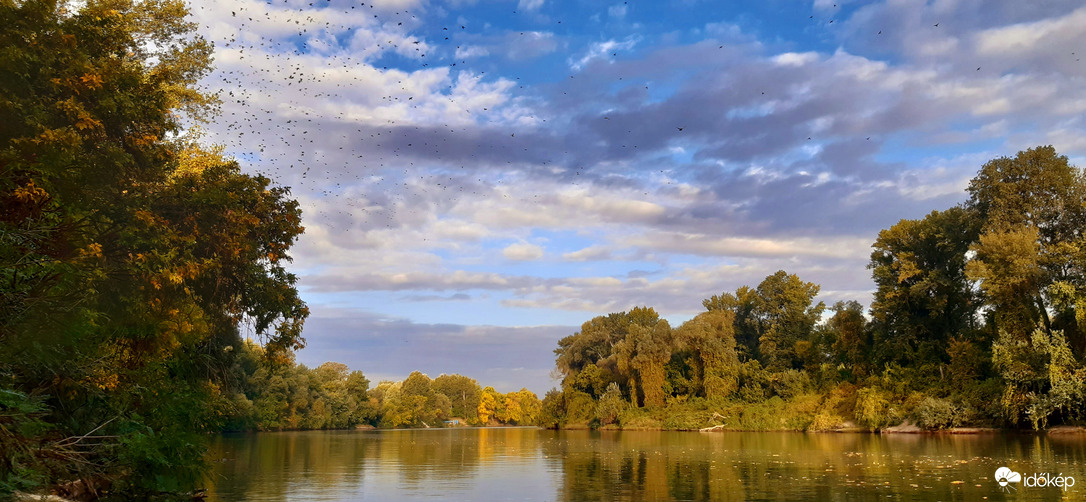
[974,327]
[134,257]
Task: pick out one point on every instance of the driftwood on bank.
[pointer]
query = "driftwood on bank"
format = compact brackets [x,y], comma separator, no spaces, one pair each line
[716,416]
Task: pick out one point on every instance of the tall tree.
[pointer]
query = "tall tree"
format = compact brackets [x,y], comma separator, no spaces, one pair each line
[742,305]
[851,343]
[710,339]
[651,352]
[922,296]
[786,315]
[463,393]
[1034,211]
[602,352]
[129,257]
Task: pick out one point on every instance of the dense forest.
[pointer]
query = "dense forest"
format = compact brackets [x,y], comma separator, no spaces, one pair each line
[976,320]
[146,301]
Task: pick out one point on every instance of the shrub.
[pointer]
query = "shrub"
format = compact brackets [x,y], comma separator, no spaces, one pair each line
[873,408]
[611,405]
[789,384]
[936,413]
[825,420]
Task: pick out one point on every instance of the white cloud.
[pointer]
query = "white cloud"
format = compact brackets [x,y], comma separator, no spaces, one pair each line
[1023,39]
[795,58]
[471,51]
[529,4]
[522,251]
[603,50]
[591,253]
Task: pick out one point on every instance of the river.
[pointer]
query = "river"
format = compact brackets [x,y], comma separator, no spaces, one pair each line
[534,464]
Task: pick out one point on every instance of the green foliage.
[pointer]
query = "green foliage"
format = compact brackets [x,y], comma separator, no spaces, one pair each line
[25,462]
[414,403]
[786,317]
[847,337]
[873,408]
[1034,209]
[753,382]
[1008,267]
[937,413]
[790,383]
[610,405]
[1011,261]
[923,297]
[464,394]
[580,408]
[129,254]
[710,341]
[1043,379]
[552,410]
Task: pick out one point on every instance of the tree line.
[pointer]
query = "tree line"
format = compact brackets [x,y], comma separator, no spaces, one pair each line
[281,395]
[976,320]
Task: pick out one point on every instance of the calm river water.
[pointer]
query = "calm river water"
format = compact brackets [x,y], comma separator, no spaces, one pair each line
[534,464]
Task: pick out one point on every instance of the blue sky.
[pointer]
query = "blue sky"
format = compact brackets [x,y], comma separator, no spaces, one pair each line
[478,178]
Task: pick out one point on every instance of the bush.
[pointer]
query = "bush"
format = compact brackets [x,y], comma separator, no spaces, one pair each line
[611,405]
[638,419]
[825,420]
[873,408]
[789,384]
[936,413]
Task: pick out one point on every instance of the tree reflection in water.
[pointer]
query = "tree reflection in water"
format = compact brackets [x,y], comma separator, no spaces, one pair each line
[532,464]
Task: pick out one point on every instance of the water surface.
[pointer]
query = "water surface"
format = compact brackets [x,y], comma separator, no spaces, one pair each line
[534,464]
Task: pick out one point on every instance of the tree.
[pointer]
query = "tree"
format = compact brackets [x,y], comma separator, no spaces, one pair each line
[651,351]
[1034,211]
[1036,188]
[130,256]
[491,405]
[611,405]
[710,338]
[416,403]
[785,316]
[603,352]
[851,340]
[464,394]
[1044,382]
[742,305]
[923,296]
[771,319]
[1008,268]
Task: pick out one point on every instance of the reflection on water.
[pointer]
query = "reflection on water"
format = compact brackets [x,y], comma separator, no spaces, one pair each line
[532,464]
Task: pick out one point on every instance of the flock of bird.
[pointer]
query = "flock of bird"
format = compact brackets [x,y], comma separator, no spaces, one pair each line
[296,81]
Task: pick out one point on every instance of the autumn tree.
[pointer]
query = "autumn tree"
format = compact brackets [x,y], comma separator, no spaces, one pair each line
[851,339]
[742,305]
[923,297]
[786,315]
[710,339]
[491,405]
[1028,259]
[131,257]
[602,352]
[650,350]
[463,393]
[415,403]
